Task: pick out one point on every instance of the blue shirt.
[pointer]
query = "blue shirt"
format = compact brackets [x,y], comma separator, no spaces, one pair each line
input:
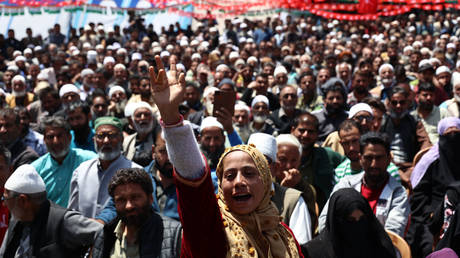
[57,177]
[87,145]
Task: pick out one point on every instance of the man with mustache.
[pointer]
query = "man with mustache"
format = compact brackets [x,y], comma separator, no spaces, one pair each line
[137,230]
[138,146]
[387,81]
[359,87]
[386,196]
[19,96]
[427,111]
[333,113]
[408,136]
[241,121]
[88,188]
[57,165]
[260,111]
[164,188]
[79,117]
[349,134]
[283,116]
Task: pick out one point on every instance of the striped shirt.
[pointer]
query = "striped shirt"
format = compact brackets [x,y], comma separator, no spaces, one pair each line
[344,169]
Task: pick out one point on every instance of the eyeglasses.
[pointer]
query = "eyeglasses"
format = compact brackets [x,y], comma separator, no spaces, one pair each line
[110,135]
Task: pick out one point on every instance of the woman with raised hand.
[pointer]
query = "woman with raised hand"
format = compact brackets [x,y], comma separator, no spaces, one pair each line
[241,221]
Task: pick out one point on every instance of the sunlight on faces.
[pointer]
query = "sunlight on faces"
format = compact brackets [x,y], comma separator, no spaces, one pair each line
[57,141]
[241,183]
[108,142]
[350,143]
[374,160]
[288,157]
[132,203]
[306,133]
[143,120]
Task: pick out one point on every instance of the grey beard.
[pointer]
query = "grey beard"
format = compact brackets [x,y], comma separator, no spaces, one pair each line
[259,119]
[143,129]
[120,106]
[243,131]
[108,155]
[387,82]
[19,93]
[60,154]
[457,98]
[209,107]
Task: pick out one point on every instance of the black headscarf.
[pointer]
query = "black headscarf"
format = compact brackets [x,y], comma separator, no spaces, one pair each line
[363,238]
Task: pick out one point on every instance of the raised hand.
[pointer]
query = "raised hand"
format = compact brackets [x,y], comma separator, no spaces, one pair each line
[291,178]
[167,91]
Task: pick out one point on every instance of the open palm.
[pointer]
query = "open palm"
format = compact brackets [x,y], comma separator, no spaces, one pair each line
[167,91]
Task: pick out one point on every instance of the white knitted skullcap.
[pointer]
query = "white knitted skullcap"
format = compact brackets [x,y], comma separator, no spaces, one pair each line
[68,88]
[355,109]
[265,143]
[115,89]
[25,180]
[210,121]
[259,98]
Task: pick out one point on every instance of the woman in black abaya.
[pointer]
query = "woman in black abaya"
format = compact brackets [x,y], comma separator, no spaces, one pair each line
[351,230]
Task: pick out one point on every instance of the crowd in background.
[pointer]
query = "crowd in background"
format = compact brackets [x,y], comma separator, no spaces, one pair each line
[332,105]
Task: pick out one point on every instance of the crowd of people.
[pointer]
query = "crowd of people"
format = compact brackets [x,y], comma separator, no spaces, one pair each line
[342,137]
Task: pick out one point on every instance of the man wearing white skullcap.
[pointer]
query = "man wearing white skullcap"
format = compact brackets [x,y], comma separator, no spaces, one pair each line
[213,139]
[87,83]
[68,233]
[260,122]
[69,93]
[138,146]
[387,81]
[363,115]
[290,203]
[19,96]
[118,100]
[241,120]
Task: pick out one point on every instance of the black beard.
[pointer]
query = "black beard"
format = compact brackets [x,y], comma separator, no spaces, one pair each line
[213,157]
[137,220]
[425,105]
[165,170]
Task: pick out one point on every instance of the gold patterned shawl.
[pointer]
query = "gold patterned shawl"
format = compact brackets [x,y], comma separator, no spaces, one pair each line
[259,233]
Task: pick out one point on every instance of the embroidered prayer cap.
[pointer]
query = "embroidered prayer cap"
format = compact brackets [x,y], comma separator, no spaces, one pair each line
[25,180]
[108,120]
